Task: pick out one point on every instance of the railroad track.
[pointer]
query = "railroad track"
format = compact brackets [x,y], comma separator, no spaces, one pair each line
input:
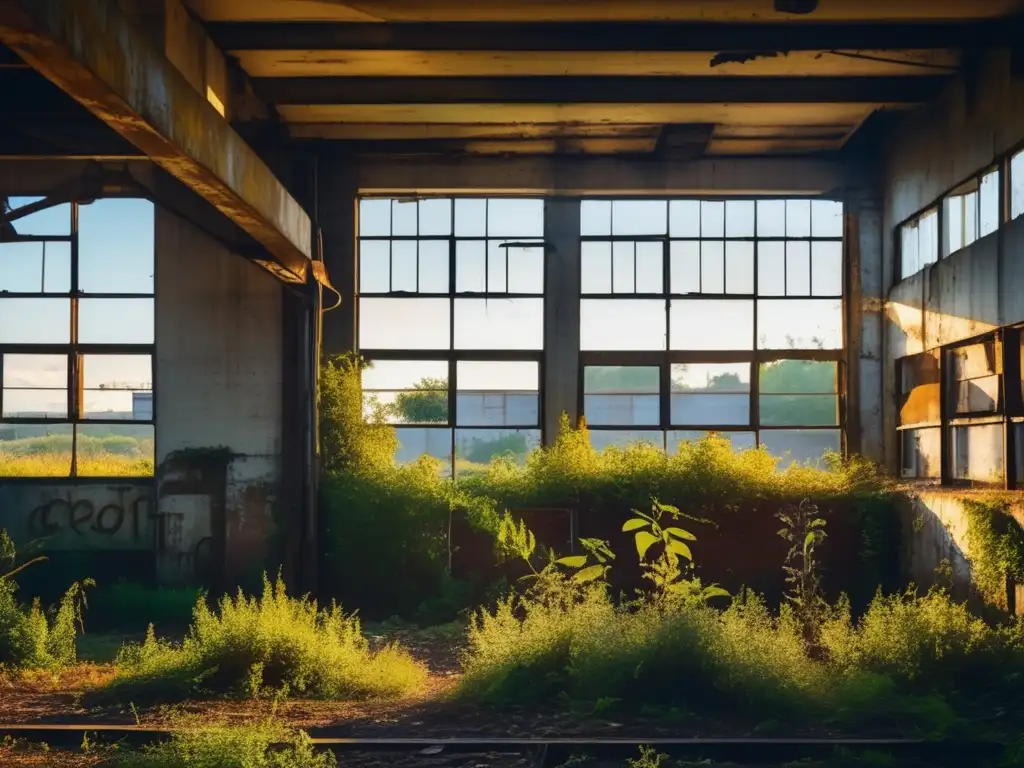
[548,752]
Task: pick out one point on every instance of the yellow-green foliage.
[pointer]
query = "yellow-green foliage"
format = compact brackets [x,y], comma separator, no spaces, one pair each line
[263,744]
[995,542]
[98,456]
[251,645]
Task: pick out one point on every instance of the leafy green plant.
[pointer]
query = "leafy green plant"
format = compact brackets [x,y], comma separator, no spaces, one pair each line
[131,605]
[995,543]
[269,644]
[804,529]
[649,758]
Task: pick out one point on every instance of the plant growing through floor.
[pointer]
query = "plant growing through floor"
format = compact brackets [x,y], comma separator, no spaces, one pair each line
[649,758]
[28,637]
[804,529]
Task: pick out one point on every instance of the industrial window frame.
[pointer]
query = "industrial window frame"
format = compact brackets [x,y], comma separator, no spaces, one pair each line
[755,357]
[75,352]
[452,355]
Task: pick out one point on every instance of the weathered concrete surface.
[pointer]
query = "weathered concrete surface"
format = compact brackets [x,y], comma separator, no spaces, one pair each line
[582,176]
[219,385]
[92,51]
[84,516]
[561,313]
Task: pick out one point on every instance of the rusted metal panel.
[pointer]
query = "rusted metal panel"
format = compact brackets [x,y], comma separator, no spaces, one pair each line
[92,52]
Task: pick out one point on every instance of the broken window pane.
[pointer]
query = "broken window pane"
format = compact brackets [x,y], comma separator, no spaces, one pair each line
[406,391]
[435,216]
[712,266]
[404,271]
[596,267]
[741,441]
[374,266]
[117,387]
[498,393]
[974,383]
[433,266]
[712,324]
[475,449]
[623,265]
[739,267]
[615,395]
[827,268]
[115,246]
[499,323]
[798,218]
[826,218]
[800,324]
[414,442]
[771,218]
[35,386]
[712,218]
[35,450]
[39,267]
[595,217]
[525,268]
[35,321]
[798,269]
[470,217]
[794,393]
[919,389]
[639,217]
[685,266]
[800,446]
[114,450]
[976,453]
[739,218]
[115,321]
[624,438]
[771,268]
[921,453]
[710,393]
[374,217]
[684,218]
[55,220]
[513,217]
[404,323]
[404,218]
[471,266]
[622,324]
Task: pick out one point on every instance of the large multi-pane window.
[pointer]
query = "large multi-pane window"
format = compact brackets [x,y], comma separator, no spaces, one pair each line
[451,321]
[76,339]
[713,315]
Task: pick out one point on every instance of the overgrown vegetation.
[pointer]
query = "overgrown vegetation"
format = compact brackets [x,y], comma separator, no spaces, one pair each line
[995,543]
[386,524]
[130,605]
[268,645]
[31,638]
[109,455]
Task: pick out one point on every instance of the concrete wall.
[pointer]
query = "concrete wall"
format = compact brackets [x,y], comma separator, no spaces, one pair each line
[218,385]
[978,120]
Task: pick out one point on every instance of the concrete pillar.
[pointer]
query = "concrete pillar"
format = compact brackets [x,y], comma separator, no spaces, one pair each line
[561,312]
[337,190]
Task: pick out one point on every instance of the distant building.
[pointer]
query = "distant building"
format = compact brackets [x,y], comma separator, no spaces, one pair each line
[142,406]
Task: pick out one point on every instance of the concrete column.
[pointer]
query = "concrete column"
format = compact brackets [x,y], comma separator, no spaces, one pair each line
[337,190]
[561,312]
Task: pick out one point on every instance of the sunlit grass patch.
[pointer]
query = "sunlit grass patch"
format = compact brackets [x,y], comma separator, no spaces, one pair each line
[249,646]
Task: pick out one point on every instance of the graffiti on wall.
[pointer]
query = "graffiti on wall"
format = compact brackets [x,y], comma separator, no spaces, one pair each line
[77,517]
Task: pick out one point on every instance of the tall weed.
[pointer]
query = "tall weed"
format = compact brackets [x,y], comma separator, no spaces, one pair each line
[250,646]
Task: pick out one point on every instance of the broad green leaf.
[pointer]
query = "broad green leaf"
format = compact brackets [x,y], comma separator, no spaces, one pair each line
[679,533]
[634,523]
[644,540]
[808,541]
[572,561]
[680,549]
[711,592]
[588,574]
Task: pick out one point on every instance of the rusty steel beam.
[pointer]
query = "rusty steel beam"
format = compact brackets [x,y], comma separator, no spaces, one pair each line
[92,52]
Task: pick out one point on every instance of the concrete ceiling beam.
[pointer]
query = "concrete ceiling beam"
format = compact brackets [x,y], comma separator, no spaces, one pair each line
[93,52]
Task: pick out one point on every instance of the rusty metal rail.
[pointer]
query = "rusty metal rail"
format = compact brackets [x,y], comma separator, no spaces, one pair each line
[551,751]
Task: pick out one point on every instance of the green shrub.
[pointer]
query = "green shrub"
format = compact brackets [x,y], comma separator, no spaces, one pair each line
[263,744]
[249,646]
[130,605]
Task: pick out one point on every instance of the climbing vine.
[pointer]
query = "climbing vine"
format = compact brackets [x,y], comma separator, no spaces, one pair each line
[995,542]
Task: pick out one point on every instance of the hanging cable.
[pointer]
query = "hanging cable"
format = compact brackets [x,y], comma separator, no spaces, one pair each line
[887,60]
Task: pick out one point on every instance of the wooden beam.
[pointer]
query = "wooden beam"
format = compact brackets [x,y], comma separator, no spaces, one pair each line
[350,63]
[432,131]
[597,90]
[601,36]
[92,52]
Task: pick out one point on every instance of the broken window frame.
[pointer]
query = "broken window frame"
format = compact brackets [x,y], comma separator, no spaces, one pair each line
[755,357]
[76,352]
[451,355]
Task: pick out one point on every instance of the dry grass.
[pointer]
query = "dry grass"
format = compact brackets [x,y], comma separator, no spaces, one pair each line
[59,465]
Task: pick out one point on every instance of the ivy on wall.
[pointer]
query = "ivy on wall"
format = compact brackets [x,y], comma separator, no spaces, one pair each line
[995,542]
